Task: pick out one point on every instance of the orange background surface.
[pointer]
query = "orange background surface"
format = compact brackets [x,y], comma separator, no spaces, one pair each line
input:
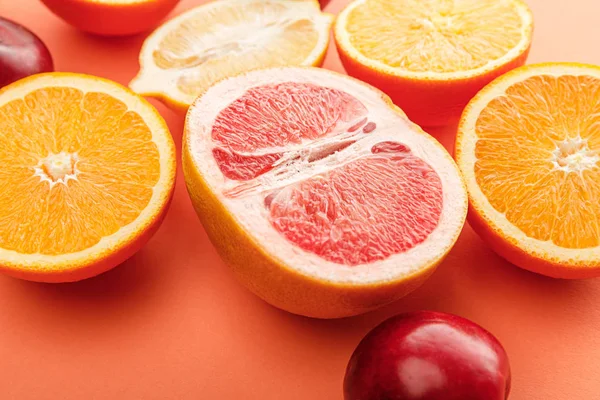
[172,323]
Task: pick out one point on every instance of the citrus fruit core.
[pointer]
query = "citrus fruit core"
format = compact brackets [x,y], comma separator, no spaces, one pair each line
[381,203]
[574,155]
[57,168]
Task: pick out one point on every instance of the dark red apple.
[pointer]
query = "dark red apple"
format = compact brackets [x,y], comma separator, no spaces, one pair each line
[323,3]
[22,53]
[428,356]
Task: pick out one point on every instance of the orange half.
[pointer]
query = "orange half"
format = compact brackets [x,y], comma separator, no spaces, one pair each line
[432,57]
[529,148]
[88,173]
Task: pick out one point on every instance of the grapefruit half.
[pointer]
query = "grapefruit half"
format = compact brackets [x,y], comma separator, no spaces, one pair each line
[322,196]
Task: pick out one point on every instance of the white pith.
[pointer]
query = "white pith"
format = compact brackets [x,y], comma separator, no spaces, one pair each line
[343,38]
[154,80]
[575,163]
[247,205]
[161,191]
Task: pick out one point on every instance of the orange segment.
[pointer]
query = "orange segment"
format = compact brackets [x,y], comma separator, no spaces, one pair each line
[218,40]
[529,146]
[432,56]
[85,159]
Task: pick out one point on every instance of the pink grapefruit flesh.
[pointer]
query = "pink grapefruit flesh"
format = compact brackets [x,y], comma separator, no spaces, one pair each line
[274,116]
[324,175]
[320,214]
[348,216]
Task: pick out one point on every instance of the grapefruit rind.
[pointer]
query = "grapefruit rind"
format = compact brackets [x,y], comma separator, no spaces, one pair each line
[114,249]
[505,238]
[153,81]
[271,266]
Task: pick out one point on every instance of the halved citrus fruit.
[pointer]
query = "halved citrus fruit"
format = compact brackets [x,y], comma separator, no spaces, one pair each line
[529,148]
[112,17]
[88,172]
[188,54]
[319,192]
[431,57]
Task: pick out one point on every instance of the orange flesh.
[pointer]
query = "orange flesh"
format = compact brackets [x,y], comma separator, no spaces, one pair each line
[232,39]
[537,158]
[108,149]
[435,35]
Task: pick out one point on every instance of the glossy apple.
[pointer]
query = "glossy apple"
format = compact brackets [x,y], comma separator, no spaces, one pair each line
[428,356]
[22,53]
[323,3]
